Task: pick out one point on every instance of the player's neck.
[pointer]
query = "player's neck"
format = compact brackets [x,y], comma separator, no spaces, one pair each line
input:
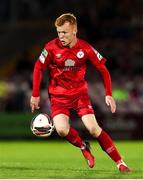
[73,42]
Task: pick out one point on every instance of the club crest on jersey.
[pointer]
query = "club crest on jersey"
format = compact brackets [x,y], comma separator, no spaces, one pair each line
[80,54]
[43,55]
[69,63]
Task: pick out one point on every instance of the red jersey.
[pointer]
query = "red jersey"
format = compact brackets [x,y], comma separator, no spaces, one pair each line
[67,67]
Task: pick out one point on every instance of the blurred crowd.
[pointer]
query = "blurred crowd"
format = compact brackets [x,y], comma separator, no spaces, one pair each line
[114,28]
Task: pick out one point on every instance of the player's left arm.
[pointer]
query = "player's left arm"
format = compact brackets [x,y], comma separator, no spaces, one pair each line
[111,102]
[99,63]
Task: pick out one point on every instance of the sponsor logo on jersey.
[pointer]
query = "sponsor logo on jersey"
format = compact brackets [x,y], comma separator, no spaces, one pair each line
[70,65]
[80,54]
[43,56]
[69,62]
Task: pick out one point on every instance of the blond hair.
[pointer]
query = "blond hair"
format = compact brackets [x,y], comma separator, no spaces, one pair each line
[68,17]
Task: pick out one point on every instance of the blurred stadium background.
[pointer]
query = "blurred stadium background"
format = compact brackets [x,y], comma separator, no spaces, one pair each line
[114,28]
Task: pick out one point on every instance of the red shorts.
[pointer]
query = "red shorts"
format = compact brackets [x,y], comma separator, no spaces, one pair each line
[62,105]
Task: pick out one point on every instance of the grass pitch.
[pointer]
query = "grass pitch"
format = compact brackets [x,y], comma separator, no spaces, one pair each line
[59,160]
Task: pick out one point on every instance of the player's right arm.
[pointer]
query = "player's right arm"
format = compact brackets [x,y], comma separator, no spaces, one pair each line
[40,65]
[34,103]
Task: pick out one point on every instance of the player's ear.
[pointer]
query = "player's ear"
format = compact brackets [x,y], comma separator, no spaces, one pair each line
[75,30]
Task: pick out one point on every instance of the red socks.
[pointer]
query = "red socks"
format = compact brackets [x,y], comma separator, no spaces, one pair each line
[104,140]
[74,138]
[107,145]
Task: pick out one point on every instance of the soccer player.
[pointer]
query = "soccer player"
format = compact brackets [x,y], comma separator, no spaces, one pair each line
[66,57]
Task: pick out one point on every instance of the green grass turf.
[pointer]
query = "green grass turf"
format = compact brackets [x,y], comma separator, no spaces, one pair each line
[52,159]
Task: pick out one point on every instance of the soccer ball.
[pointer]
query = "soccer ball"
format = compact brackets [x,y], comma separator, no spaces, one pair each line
[42,125]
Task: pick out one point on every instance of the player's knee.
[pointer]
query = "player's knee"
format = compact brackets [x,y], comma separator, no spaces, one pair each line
[62,132]
[95,131]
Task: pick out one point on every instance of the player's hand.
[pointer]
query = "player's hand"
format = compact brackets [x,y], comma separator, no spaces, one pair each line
[111,102]
[34,103]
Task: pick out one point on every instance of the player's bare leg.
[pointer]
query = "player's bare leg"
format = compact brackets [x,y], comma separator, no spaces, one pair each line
[61,122]
[104,140]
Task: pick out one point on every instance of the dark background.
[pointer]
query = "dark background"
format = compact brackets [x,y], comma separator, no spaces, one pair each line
[114,28]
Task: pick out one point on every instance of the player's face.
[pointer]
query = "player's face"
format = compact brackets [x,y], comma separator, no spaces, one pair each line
[67,34]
